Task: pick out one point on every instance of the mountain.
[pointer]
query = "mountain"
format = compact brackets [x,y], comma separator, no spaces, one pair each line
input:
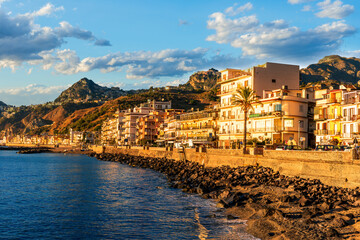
[203,80]
[85,105]
[332,68]
[86,90]
[2,104]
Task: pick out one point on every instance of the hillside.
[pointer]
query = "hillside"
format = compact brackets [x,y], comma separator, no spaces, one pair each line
[85,105]
[203,80]
[332,68]
[2,104]
[87,90]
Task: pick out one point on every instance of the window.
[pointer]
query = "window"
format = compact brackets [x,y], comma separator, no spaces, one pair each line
[273,80]
[277,107]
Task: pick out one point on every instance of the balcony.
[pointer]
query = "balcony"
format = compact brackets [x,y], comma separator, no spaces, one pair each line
[197,127]
[231,117]
[349,135]
[266,114]
[321,132]
[320,117]
[264,130]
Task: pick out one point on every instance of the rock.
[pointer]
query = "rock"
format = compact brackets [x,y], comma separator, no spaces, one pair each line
[338,222]
[304,201]
[231,217]
[324,207]
[331,232]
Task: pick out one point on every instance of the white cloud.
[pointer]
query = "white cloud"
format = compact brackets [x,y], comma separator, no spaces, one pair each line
[138,65]
[31,94]
[335,10]
[33,89]
[112,84]
[176,82]
[276,39]
[298,1]
[2,1]
[183,22]
[232,11]
[306,8]
[46,10]
[21,40]
[227,29]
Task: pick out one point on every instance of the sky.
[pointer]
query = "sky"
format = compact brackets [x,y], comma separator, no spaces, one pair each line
[46,46]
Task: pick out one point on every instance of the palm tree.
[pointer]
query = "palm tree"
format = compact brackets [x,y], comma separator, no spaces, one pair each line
[245,98]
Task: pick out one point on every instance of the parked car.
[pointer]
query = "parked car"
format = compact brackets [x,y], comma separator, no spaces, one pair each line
[343,148]
[325,148]
[280,148]
[288,147]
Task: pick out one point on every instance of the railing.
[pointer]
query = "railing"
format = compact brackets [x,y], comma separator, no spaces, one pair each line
[231,117]
[270,129]
[197,127]
[321,132]
[320,117]
[275,113]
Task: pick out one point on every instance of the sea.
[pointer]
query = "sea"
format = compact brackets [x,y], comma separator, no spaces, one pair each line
[57,196]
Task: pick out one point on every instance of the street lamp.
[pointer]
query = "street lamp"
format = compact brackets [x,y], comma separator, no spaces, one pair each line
[299,132]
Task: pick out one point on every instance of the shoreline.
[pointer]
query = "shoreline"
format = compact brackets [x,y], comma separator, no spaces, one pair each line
[275,206]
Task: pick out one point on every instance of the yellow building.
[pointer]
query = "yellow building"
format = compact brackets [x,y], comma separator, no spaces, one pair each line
[197,128]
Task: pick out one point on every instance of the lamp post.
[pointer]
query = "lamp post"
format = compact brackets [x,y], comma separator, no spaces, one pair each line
[299,132]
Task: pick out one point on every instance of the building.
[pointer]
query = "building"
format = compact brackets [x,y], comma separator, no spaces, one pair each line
[167,130]
[112,127]
[129,128]
[197,127]
[76,137]
[284,111]
[336,115]
[148,127]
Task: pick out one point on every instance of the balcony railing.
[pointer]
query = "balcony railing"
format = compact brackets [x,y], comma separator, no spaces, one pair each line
[322,132]
[197,127]
[257,115]
[320,117]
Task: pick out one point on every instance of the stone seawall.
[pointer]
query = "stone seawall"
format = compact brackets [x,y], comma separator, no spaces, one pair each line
[332,168]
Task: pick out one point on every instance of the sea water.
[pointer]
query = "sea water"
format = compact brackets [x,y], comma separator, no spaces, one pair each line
[56,196]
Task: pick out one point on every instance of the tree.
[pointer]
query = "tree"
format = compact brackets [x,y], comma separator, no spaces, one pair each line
[245,98]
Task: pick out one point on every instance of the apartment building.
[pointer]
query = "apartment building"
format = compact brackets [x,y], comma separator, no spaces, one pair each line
[148,127]
[129,127]
[284,110]
[197,127]
[336,115]
[112,127]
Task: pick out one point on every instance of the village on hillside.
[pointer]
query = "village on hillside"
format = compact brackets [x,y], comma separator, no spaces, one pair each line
[285,114]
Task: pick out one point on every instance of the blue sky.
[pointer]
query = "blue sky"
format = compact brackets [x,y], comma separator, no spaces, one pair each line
[46,46]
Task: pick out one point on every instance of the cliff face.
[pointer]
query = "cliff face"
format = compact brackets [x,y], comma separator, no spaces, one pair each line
[86,90]
[333,68]
[204,80]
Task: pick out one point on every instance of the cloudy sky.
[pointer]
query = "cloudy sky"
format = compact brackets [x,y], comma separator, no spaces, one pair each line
[46,46]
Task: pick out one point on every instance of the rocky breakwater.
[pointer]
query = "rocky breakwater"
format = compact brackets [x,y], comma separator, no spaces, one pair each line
[276,206]
[33,150]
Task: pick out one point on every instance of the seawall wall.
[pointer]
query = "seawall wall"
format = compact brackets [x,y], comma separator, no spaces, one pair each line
[332,168]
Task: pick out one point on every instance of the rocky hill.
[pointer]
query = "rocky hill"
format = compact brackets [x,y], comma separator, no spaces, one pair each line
[86,90]
[332,68]
[204,80]
[85,105]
